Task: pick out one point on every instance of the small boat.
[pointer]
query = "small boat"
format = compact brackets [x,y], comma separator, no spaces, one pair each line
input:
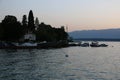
[94,44]
[84,45]
[103,45]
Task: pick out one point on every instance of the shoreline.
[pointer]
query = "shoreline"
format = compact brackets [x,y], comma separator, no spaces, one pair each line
[35,45]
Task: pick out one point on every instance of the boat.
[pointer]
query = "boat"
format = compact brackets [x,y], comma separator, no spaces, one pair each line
[103,45]
[94,44]
[84,45]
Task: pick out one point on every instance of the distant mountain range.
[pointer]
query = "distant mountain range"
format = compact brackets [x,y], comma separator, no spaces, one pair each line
[105,34]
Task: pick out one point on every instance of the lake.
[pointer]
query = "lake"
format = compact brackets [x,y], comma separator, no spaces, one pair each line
[82,63]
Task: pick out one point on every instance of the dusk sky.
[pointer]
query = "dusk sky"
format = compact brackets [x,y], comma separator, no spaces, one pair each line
[76,14]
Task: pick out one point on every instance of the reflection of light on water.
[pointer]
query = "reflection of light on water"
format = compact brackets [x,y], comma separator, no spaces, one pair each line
[81,64]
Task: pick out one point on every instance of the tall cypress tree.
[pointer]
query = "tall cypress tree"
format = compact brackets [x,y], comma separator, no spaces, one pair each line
[36,23]
[24,20]
[24,24]
[31,25]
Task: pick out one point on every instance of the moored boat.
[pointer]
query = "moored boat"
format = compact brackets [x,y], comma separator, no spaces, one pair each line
[94,44]
[84,45]
[103,45]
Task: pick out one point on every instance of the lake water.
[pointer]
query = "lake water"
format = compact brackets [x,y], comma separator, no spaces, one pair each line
[82,63]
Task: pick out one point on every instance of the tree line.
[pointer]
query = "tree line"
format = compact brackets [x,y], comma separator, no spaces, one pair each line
[13,30]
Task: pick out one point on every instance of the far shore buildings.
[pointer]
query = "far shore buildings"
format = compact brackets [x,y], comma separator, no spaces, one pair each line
[30,36]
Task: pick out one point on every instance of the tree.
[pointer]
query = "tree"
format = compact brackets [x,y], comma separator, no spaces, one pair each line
[31,25]
[36,23]
[1,31]
[11,28]
[24,24]
[64,35]
[24,20]
[48,33]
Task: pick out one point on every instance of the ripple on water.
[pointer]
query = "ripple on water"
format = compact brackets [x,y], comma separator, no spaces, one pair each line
[82,64]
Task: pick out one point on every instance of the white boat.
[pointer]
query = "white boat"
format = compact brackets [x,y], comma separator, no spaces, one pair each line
[84,45]
[103,45]
[94,44]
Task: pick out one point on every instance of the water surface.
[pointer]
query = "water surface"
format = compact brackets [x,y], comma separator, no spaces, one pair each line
[82,63]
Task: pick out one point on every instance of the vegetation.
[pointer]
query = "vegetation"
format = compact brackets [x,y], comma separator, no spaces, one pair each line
[24,24]
[31,25]
[12,30]
[47,33]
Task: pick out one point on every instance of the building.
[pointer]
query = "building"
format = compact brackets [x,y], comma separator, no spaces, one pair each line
[30,36]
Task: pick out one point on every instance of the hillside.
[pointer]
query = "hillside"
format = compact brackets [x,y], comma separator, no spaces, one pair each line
[96,34]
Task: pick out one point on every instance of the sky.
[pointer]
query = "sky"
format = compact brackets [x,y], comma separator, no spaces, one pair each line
[75,14]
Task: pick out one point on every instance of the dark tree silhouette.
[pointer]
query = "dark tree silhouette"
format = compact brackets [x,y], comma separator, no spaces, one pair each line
[12,28]
[1,32]
[36,22]
[24,20]
[48,33]
[24,24]
[31,25]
